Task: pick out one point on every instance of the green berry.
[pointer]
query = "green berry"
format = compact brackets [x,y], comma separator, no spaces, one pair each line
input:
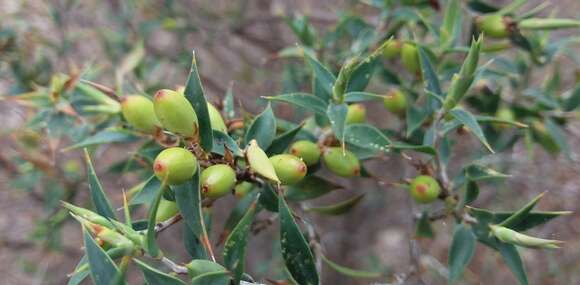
[425,189]
[138,111]
[392,49]
[410,58]
[289,168]
[307,150]
[242,189]
[166,210]
[175,165]
[357,113]
[216,120]
[396,102]
[342,164]
[494,26]
[217,181]
[175,113]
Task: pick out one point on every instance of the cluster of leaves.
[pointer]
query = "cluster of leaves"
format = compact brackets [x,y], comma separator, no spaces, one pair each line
[445,87]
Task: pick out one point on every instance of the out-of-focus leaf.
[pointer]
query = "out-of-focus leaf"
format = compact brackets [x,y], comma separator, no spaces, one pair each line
[424,228]
[235,245]
[522,213]
[154,276]
[283,141]
[295,250]
[98,196]
[355,273]
[322,76]
[309,188]
[103,269]
[572,102]
[512,258]
[470,122]
[304,100]
[147,193]
[461,251]
[262,129]
[221,141]
[448,28]
[489,119]
[228,103]
[338,208]
[477,172]
[195,95]
[366,136]
[357,96]
[415,117]
[431,81]
[212,278]
[337,116]
[418,148]
[558,135]
[107,136]
[237,213]
[361,75]
[471,192]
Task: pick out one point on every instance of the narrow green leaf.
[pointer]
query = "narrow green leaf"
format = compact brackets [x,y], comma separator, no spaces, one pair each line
[461,251]
[471,192]
[477,172]
[322,76]
[237,214]
[263,128]
[461,82]
[423,228]
[532,219]
[357,96]
[366,136]
[235,245]
[193,244]
[147,193]
[512,258]
[355,273]
[511,7]
[447,31]
[150,245]
[195,95]
[82,270]
[103,269]
[558,135]
[470,122]
[295,250]
[572,102]
[304,100]
[106,136]
[418,148]
[212,278]
[361,75]
[522,213]
[188,199]
[548,24]
[154,276]
[337,116]
[338,208]
[309,188]
[222,141]
[98,196]
[283,141]
[415,117]
[268,198]
[431,81]
[489,119]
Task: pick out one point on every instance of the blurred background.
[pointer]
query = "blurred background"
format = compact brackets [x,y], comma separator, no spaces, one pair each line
[236,43]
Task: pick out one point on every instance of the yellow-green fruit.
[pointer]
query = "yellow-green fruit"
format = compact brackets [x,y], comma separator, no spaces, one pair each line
[410,58]
[217,181]
[175,165]
[216,120]
[307,150]
[494,26]
[396,102]
[425,189]
[392,49]
[242,189]
[543,137]
[341,163]
[357,113]
[166,210]
[289,168]
[138,111]
[504,113]
[175,113]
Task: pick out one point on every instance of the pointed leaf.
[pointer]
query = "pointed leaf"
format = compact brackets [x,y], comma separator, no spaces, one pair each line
[357,96]
[558,135]
[322,76]
[107,136]
[337,116]
[195,95]
[471,192]
[259,161]
[235,245]
[212,278]
[295,250]
[522,213]
[349,271]
[150,245]
[263,128]
[338,208]
[512,258]
[361,75]
[283,141]
[531,220]
[103,269]
[309,188]
[304,100]
[154,276]
[431,81]
[367,136]
[188,199]
[98,196]
[222,141]
[461,251]
[477,172]
[470,122]
[147,193]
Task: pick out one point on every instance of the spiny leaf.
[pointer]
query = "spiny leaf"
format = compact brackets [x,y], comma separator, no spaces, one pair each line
[522,213]
[470,122]
[100,200]
[195,95]
[103,269]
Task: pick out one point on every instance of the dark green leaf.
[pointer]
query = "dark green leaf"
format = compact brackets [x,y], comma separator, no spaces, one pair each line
[512,258]
[424,228]
[309,188]
[356,96]
[470,122]
[471,192]
[154,276]
[461,251]
[349,271]
[237,213]
[295,250]
[558,135]
[521,214]
[82,270]
[188,199]
[283,141]
[192,244]
[150,245]
[235,245]
[430,78]
[212,278]
[112,135]
[361,75]
[338,208]
[415,117]
[103,269]
[337,116]
[418,148]
[450,25]
[304,100]
[366,136]
[263,128]
[147,193]
[268,198]
[195,95]
[322,76]
[532,219]
[98,196]
[221,141]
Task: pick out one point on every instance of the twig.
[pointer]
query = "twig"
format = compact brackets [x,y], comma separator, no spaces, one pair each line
[159,227]
[174,266]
